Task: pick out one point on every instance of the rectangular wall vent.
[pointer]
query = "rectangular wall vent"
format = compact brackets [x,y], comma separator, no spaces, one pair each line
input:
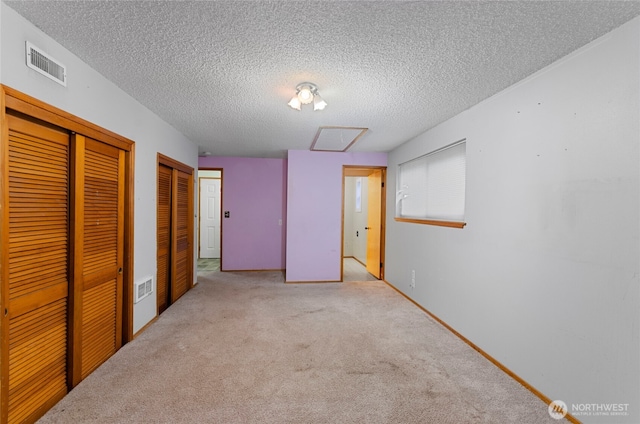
[46,65]
[142,289]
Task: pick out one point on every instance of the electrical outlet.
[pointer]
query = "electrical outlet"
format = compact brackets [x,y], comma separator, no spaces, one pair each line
[413,278]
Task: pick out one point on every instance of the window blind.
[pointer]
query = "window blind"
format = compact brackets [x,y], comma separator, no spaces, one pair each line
[433,186]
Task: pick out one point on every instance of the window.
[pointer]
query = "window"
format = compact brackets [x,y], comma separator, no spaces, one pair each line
[431,188]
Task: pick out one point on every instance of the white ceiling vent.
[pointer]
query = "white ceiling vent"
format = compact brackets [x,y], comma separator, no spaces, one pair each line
[46,65]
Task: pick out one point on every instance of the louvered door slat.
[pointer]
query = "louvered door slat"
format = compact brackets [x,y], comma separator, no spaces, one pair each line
[46,164]
[23,184]
[38,181]
[29,277]
[31,143]
[28,192]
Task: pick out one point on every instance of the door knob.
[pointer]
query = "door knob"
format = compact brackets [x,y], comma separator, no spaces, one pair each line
[367,228]
[119,271]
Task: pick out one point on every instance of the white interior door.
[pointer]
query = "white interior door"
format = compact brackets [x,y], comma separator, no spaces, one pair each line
[209,217]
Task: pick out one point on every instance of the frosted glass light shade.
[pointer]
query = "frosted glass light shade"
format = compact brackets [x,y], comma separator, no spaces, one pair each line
[318,102]
[294,103]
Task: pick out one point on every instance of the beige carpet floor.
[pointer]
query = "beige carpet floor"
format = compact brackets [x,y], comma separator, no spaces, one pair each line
[247,348]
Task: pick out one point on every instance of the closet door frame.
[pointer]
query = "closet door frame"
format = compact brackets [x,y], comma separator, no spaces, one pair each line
[15,100]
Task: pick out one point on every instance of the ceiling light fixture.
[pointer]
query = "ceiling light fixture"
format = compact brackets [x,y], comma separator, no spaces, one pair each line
[306,93]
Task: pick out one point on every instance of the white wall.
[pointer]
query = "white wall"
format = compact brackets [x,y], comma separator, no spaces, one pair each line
[355,235]
[545,276]
[92,97]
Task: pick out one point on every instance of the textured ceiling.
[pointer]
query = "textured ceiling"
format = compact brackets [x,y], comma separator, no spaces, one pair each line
[222,72]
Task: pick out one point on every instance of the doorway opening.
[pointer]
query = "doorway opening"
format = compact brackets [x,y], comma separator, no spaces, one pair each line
[209,220]
[363,220]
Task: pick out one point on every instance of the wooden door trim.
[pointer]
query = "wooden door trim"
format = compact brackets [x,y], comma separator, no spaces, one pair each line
[172,163]
[4,253]
[31,106]
[127,260]
[383,222]
[364,171]
[11,98]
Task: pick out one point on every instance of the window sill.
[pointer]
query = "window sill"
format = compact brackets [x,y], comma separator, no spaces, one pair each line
[451,224]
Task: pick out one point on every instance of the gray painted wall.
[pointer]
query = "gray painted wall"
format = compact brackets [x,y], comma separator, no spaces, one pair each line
[545,276]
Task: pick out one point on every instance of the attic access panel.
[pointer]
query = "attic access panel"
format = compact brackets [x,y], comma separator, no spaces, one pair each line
[336,139]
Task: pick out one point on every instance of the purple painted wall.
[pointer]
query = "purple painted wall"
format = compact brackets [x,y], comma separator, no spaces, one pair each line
[254,193]
[314,211]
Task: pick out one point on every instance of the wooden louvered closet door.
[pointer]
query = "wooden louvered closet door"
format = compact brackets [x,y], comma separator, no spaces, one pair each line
[98,254]
[181,265]
[34,346]
[175,232]
[164,237]
[66,211]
